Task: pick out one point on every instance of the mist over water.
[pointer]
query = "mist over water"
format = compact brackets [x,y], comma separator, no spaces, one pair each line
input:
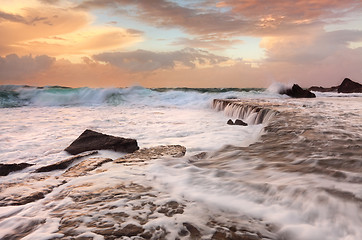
[294,175]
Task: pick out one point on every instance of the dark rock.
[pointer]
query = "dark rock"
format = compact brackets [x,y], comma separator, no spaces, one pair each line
[349,86]
[230,122]
[63,164]
[91,140]
[194,232]
[240,122]
[199,156]
[297,92]
[171,208]
[129,231]
[322,89]
[5,169]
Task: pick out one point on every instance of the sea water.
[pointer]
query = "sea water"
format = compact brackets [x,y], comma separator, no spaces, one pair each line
[300,171]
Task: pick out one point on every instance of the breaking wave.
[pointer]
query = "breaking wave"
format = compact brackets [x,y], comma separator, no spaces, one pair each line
[19,96]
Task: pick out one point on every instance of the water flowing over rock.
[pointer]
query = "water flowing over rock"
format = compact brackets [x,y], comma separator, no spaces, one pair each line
[5,169]
[63,164]
[144,154]
[241,109]
[297,92]
[91,140]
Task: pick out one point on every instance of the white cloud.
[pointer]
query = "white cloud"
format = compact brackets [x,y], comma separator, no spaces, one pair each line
[142,60]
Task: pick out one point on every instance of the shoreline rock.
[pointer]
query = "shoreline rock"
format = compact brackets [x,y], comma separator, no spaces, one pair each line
[347,86]
[297,92]
[63,164]
[91,140]
[144,154]
[6,169]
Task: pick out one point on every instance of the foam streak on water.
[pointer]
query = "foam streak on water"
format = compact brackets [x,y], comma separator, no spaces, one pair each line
[305,174]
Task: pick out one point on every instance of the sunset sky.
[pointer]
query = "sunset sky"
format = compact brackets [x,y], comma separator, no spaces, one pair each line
[171,43]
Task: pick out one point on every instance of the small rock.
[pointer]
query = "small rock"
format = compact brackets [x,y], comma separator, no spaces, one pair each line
[5,169]
[240,122]
[230,122]
[199,156]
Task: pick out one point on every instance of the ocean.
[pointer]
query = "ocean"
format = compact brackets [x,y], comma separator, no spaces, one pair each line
[295,172]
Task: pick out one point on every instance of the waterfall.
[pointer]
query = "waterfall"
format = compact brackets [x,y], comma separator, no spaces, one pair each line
[249,113]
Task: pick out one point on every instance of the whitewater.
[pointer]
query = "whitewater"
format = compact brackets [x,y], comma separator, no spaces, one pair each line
[293,173]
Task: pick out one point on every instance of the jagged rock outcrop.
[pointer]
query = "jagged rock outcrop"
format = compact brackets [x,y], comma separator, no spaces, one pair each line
[91,140]
[5,169]
[347,86]
[297,92]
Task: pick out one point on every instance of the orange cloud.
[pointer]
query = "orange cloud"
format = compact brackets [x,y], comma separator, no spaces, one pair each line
[33,23]
[58,31]
[88,40]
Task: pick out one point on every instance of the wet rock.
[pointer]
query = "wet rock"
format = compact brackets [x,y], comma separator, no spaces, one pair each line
[23,230]
[237,122]
[63,164]
[129,231]
[26,190]
[85,167]
[240,122]
[194,231]
[198,157]
[144,154]
[349,86]
[5,169]
[297,92]
[171,208]
[90,140]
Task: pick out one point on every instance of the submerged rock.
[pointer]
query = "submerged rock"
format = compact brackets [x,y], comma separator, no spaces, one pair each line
[63,164]
[297,92]
[144,154]
[90,140]
[85,167]
[5,169]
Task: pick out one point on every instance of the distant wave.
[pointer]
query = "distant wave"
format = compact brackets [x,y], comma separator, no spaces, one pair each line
[19,96]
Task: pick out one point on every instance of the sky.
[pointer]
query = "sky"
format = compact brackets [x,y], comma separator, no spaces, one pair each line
[173,43]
